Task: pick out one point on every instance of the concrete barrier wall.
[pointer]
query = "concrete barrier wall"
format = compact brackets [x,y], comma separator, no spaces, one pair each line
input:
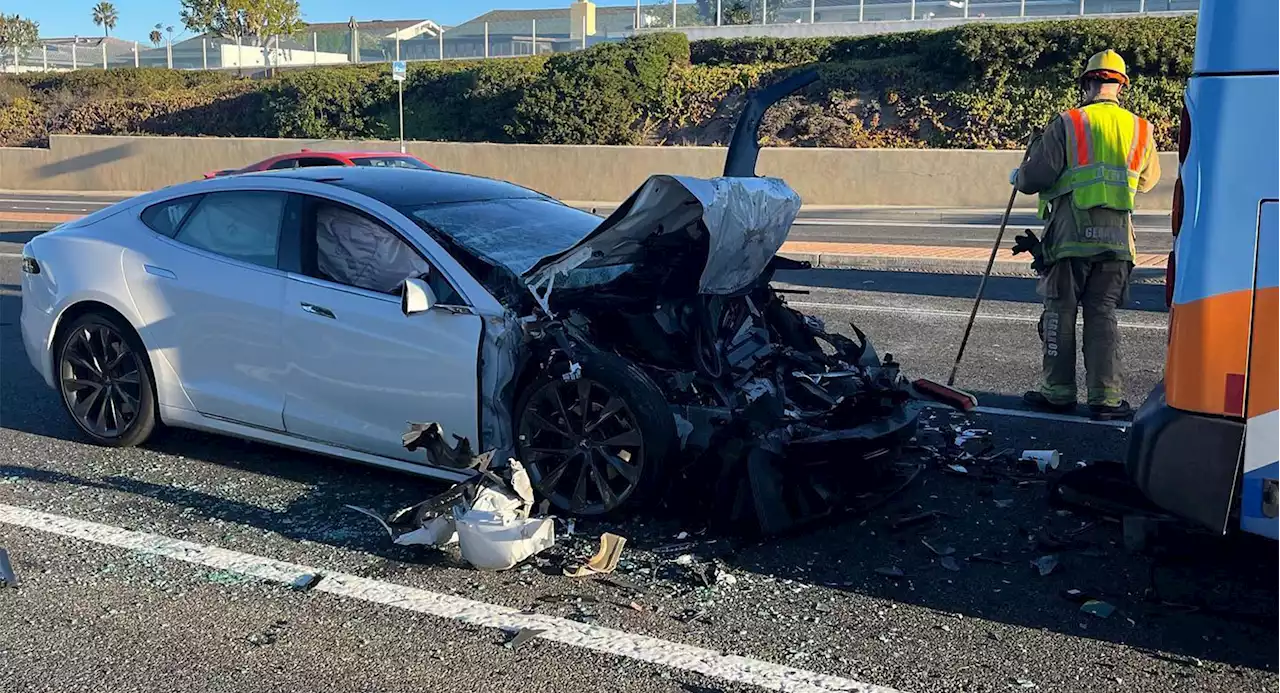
[906,177]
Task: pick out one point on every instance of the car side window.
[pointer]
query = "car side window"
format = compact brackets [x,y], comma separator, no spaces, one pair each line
[355,249]
[241,225]
[165,218]
[283,163]
[307,162]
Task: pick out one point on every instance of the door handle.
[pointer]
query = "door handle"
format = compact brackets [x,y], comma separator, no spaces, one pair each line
[319,310]
[159,272]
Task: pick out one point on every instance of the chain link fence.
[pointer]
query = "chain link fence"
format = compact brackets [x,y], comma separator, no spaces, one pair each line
[522,33]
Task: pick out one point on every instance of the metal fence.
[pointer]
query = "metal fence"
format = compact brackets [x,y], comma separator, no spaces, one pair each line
[517,37]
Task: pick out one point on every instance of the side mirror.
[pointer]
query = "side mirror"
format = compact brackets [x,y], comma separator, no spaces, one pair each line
[416,296]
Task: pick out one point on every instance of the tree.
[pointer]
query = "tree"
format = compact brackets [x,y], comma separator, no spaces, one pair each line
[16,35]
[738,11]
[156,37]
[252,20]
[105,16]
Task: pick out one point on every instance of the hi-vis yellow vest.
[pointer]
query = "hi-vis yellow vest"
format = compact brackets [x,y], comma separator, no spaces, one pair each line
[1106,149]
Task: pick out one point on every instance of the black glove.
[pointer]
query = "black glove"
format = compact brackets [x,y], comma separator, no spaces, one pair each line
[1027,243]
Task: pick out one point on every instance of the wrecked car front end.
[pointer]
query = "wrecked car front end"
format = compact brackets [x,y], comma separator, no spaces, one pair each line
[775,418]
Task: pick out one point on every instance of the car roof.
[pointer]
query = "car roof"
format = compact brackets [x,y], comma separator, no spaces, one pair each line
[348,155]
[403,187]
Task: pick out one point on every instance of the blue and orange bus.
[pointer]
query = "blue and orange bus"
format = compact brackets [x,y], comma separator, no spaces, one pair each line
[1204,445]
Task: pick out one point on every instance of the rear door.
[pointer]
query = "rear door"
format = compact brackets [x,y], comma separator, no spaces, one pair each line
[1258,511]
[358,369]
[209,290]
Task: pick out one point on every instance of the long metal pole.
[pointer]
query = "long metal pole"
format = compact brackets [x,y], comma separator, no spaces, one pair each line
[913,10]
[861,6]
[533,34]
[44,57]
[966,8]
[397,47]
[1022,8]
[637,22]
[764,12]
[486,39]
[135,53]
[74,64]
[315,49]
[401,99]
[717,12]
[1142,6]
[982,285]
[168,53]
[813,10]
[584,32]
[673,14]
[1081,8]
[204,52]
[440,43]
[103,45]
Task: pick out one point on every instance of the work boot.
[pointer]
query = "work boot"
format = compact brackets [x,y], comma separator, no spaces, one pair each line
[1036,400]
[1106,412]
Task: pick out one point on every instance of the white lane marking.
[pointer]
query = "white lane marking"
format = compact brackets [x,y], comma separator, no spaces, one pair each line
[79,203]
[643,648]
[10,254]
[942,313]
[809,221]
[1045,416]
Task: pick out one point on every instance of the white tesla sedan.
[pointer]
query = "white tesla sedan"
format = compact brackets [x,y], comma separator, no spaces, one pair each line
[325,309]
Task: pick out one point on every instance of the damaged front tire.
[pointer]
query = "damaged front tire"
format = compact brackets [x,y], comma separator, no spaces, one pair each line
[594,439]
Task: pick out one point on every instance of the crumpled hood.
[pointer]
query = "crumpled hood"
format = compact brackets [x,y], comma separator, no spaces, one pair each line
[747,220]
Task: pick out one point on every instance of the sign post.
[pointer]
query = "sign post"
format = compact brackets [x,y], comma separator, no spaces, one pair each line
[398,71]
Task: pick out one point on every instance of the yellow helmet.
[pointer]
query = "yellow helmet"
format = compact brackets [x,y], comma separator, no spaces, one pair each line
[1108,65]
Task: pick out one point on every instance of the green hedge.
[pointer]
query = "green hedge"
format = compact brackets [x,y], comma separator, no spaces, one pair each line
[974,86]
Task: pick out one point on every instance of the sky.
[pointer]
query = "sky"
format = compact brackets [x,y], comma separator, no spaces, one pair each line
[137,17]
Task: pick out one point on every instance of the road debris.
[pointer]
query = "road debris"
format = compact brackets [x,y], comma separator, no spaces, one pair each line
[1045,564]
[944,551]
[1022,683]
[606,559]
[1097,608]
[912,520]
[891,572]
[305,582]
[1002,503]
[1044,459]
[949,562]
[521,637]
[7,577]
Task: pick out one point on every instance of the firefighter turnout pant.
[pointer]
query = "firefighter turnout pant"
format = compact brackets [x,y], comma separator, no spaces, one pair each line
[1099,287]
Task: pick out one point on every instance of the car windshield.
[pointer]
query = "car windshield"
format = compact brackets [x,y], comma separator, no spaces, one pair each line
[515,233]
[391,162]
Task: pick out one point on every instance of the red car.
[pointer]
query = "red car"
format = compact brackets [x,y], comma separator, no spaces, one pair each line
[306,157]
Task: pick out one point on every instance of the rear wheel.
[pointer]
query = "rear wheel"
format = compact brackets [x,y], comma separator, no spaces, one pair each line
[597,443]
[105,381]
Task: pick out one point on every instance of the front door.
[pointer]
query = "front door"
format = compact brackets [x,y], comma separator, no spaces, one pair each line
[359,369]
[209,291]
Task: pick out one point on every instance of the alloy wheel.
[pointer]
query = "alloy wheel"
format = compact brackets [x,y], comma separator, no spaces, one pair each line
[101,380]
[582,446]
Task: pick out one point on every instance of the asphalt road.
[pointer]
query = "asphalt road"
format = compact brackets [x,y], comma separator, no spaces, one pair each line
[1196,616]
[896,226]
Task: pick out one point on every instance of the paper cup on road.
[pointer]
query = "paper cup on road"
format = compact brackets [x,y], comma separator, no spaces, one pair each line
[1044,459]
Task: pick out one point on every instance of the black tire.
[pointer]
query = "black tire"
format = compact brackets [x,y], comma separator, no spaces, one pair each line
[621,401]
[100,347]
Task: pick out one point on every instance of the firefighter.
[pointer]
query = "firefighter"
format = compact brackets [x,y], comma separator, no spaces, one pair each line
[1087,166]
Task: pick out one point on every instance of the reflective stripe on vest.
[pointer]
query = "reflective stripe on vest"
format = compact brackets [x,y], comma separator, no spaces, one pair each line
[1106,149]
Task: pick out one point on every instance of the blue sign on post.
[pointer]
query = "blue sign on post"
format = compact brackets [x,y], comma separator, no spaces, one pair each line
[398,70]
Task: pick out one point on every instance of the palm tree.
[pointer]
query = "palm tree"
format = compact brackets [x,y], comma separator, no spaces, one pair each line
[105,16]
[156,37]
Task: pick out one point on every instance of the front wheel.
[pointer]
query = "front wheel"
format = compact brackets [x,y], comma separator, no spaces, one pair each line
[105,382]
[598,443]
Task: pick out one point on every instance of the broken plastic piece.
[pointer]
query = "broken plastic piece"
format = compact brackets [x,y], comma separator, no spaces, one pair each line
[1045,564]
[1002,503]
[606,559]
[7,576]
[521,637]
[1044,459]
[491,541]
[891,571]
[306,582]
[949,562]
[944,551]
[1098,608]
[958,468]
[430,436]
